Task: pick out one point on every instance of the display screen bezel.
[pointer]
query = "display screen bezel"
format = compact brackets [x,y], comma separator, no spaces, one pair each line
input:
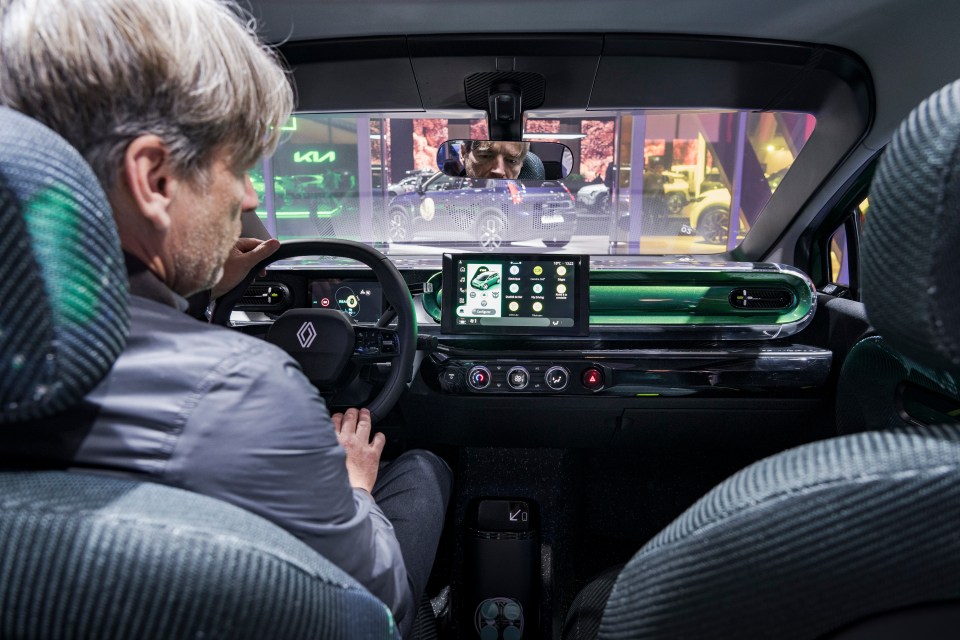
[581,296]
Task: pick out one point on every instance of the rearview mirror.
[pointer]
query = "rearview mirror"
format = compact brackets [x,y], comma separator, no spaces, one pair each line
[504,159]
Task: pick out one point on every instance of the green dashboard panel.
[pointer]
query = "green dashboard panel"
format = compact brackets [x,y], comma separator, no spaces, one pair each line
[770,296]
[736,300]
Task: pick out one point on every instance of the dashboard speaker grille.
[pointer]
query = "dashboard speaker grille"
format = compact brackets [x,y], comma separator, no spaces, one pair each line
[761,298]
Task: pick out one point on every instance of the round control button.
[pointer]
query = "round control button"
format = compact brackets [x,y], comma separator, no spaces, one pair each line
[518,378]
[479,377]
[512,633]
[592,378]
[557,378]
[512,611]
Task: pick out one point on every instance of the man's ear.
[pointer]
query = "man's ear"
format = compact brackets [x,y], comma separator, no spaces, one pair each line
[149,177]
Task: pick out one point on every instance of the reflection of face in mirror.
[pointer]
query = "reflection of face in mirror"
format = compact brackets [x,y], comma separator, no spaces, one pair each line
[489,159]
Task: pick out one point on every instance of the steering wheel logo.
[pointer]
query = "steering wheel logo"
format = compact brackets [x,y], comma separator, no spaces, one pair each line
[306,335]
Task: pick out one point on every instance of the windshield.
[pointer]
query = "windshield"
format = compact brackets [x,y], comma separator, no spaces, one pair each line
[652,182]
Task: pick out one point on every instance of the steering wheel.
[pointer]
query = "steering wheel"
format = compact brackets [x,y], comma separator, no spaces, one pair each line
[325,341]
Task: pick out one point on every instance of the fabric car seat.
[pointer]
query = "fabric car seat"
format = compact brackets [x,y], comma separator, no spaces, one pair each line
[532,168]
[855,536]
[909,374]
[92,556]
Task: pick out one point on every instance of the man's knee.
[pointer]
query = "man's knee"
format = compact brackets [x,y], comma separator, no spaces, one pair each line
[428,468]
[416,471]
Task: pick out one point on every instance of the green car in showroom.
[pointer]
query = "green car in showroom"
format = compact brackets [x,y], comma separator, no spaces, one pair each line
[745,431]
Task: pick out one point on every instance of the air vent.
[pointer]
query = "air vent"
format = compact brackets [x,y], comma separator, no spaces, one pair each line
[761,299]
[262,296]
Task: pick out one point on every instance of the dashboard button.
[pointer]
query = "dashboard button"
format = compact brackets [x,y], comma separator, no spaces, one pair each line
[592,378]
[518,378]
[479,377]
[557,378]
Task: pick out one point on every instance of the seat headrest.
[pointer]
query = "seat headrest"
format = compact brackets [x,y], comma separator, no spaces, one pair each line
[64,318]
[532,168]
[911,287]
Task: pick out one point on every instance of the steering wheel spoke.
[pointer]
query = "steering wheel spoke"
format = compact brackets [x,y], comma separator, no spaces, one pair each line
[375,344]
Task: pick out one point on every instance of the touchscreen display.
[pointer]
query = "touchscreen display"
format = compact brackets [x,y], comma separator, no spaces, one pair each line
[519,294]
[362,301]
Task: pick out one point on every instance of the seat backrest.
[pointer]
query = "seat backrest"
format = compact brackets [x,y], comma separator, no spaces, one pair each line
[824,538]
[94,556]
[908,374]
[880,388]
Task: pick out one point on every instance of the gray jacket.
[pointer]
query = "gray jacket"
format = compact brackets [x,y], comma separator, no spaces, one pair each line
[230,416]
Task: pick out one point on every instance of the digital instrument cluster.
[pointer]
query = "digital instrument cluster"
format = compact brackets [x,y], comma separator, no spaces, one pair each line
[361,301]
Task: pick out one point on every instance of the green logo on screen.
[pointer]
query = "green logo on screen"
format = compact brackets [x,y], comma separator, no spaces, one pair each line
[314,157]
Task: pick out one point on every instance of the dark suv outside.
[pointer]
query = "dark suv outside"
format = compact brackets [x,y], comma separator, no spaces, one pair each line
[488,213]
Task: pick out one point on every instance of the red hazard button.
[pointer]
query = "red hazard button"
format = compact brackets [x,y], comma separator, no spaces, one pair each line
[592,378]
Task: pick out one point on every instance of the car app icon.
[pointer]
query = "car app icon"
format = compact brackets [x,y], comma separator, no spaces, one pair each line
[485,280]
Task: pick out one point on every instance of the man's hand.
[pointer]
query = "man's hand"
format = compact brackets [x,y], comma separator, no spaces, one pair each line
[363,455]
[246,253]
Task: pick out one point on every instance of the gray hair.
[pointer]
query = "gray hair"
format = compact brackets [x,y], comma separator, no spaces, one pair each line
[103,72]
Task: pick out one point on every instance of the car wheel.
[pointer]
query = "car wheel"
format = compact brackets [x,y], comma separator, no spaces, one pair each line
[490,230]
[675,202]
[399,225]
[714,225]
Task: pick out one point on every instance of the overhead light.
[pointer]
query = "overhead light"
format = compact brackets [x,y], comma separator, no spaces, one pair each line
[553,136]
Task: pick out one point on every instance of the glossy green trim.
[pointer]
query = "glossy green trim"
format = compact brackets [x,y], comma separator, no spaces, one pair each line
[684,296]
[299,215]
[691,297]
[431,301]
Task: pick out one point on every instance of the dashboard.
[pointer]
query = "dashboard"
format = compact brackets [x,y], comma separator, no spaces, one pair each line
[540,325]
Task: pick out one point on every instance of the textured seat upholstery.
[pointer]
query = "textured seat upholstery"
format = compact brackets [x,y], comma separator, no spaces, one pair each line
[91,556]
[532,168]
[826,539]
[909,374]
[880,388]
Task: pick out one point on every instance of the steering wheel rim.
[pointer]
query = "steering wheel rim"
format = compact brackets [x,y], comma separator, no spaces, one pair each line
[395,291]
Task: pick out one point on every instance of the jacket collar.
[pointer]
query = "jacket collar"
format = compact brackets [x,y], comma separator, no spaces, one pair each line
[145,284]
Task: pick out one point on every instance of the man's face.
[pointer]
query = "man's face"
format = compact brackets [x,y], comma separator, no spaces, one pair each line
[495,159]
[207,224]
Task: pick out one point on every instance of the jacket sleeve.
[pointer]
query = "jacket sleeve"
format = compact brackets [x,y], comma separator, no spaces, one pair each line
[256,433]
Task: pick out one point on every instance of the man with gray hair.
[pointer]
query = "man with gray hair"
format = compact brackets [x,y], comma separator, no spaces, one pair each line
[172,102]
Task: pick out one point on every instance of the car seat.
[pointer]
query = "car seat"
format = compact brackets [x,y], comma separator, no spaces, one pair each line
[852,537]
[86,555]
[532,168]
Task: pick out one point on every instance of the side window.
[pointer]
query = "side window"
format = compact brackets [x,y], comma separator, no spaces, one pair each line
[443,183]
[841,253]
[839,258]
